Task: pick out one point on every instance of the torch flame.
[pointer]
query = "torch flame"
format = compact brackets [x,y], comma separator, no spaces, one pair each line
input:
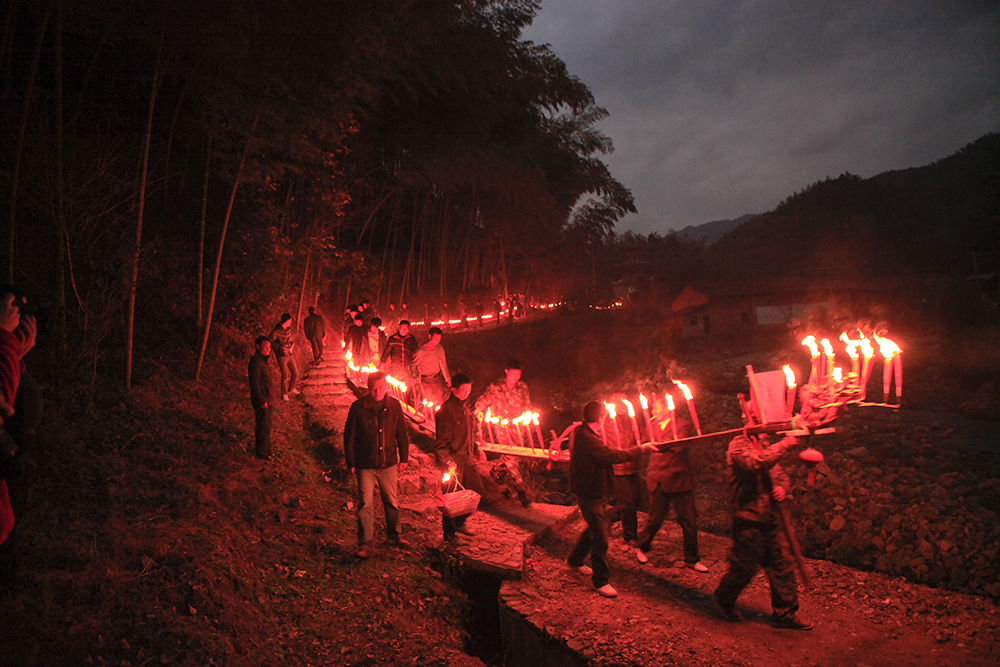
[446,477]
[628,406]
[670,402]
[487,417]
[611,410]
[866,348]
[684,390]
[886,347]
[852,345]
[789,375]
[534,418]
[810,342]
[838,374]
[827,348]
[643,402]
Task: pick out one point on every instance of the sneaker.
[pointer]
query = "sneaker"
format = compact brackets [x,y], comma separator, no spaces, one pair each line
[284,397]
[790,622]
[697,567]
[641,556]
[608,591]
[363,551]
[728,613]
[585,570]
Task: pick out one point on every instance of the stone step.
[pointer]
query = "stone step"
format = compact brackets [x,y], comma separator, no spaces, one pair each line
[501,532]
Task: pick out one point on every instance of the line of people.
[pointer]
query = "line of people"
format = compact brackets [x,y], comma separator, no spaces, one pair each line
[756,482]
[376,446]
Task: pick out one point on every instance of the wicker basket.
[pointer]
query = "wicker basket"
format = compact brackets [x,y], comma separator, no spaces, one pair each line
[457,503]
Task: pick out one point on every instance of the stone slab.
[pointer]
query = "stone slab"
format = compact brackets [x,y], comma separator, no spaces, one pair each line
[501,532]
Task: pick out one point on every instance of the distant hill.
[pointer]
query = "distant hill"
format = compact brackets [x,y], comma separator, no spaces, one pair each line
[710,232]
[922,221]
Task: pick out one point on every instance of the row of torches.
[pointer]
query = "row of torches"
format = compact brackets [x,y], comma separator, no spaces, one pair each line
[855,382]
[485,317]
[525,431]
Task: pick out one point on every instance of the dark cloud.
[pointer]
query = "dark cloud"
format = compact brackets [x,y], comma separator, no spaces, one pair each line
[723,108]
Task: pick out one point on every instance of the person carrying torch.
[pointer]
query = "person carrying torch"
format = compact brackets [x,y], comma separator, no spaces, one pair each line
[670,480]
[507,397]
[456,450]
[590,463]
[756,482]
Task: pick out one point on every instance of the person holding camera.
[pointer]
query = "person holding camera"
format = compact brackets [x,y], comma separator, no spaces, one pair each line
[10,377]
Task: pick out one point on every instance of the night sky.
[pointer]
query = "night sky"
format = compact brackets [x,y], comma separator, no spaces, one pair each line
[725,108]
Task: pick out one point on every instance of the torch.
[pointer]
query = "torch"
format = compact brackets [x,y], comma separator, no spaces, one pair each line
[651,425]
[810,342]
[790,393]
[866,367]
[614,420]
[890,353]
[689,399]
[673,415]
[828,351]
[632,420]
[538,429]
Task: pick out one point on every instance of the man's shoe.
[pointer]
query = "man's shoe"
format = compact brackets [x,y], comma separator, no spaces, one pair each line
[728,613]
[790,622]
[363,551]
[284,397]
[608,591]
[697,567]
[295,392]
[641,556]
[585,570]
[398,542]
[523,497]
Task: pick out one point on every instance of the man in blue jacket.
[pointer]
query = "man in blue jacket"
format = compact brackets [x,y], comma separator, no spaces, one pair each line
[375,445]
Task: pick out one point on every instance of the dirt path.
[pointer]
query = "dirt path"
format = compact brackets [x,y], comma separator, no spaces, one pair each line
[663,614]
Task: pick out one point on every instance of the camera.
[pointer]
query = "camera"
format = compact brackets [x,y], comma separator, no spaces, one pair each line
[27,305]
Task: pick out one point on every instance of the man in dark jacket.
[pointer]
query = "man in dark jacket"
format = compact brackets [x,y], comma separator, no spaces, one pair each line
[670,481]
[589,468]
[756,482]
[456,448]
[375,444]
[397,358]
[282,344]
[314,328]
[356,340]
[261,395]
